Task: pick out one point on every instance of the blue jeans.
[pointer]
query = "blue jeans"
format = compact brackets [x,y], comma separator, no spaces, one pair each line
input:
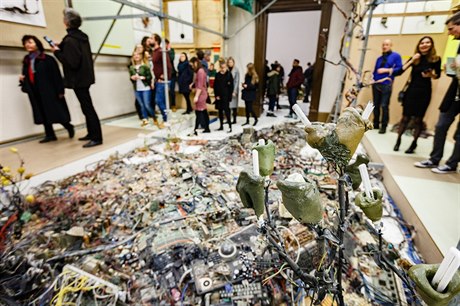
[160,99]
[442,126]
[143,97]
[381,94]
[292,96]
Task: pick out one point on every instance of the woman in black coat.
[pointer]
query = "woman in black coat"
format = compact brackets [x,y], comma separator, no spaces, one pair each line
[223,89]
[42,81]
[426,65]
[251,81]
[185,79]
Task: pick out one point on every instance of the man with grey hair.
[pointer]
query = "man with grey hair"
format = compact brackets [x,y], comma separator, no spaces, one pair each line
[450,108]
[74,52]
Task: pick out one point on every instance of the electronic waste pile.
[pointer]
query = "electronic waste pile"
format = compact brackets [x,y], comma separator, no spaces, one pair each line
[160,227]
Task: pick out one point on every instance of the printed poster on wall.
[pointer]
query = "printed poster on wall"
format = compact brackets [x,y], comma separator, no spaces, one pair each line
[146,26]
[23,11]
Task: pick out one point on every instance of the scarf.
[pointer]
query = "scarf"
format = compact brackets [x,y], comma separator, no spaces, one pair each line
[31,70]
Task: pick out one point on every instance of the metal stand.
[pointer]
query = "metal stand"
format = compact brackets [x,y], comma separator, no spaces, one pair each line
[343,210]
[270,231]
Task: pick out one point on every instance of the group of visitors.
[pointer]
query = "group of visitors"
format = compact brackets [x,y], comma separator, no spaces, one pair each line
[41,79]
[425,65]
[274,83]
[146,73]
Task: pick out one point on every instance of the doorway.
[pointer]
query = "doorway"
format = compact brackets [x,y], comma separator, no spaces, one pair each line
[284,47]
[322,29]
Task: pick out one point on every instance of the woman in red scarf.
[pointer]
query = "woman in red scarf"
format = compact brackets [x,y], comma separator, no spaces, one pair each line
[41,79]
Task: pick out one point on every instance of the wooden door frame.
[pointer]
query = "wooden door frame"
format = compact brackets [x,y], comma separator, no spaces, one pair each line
[261,44]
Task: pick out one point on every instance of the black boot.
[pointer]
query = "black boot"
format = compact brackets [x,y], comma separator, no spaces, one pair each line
[246,123]
[412,147]
[48,139]
[398,143]
[255,121]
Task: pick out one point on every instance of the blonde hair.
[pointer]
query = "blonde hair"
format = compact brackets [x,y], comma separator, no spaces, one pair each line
[144,59]
[252,72]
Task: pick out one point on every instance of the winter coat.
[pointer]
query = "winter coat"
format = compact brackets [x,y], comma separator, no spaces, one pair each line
[236,87]
[76,58]
[295,77]
[45,90]
[308,75]
[144,70]
[185,77]
[249,93]
[273,85]
[223,88]
[200,83]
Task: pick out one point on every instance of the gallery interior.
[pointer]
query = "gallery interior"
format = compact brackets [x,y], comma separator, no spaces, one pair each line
[229,152]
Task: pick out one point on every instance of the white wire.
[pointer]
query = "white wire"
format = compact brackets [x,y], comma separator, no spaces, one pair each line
[296,240]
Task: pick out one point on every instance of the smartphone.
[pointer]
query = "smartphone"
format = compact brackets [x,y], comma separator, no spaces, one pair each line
[48,40]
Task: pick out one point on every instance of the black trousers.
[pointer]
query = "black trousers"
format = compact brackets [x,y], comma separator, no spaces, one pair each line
[249,110]
[93,125]
[189,103]
[202,119]
[225,109]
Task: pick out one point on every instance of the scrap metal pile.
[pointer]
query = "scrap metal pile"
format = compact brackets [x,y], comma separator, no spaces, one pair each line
[161,227]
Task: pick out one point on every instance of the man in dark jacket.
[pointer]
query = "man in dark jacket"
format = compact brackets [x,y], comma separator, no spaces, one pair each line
[308,75]
[273,86]
[74,52]
[450,108]
[293,85]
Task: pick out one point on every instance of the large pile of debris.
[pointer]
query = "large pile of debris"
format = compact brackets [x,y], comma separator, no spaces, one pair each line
[164,225]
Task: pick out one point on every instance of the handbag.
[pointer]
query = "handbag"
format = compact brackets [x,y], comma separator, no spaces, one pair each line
[402,93]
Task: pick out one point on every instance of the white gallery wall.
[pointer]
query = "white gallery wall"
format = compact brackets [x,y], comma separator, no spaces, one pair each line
[292,35]
[241,47]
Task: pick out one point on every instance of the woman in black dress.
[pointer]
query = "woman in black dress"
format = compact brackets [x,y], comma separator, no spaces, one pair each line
[249,93]
[426,65]
[184,80]
[223,89]
[41,79]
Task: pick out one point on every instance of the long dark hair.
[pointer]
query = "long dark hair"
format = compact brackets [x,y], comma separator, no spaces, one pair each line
[194,60]
[431,56]
[186,57]
[39,44]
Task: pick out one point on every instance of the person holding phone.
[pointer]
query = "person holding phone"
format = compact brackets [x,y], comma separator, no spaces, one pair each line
[426,65]
[74,52]
[42,81]
[449,110]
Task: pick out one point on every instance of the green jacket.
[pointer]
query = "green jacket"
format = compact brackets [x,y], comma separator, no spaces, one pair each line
[273,85]
[144,71]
